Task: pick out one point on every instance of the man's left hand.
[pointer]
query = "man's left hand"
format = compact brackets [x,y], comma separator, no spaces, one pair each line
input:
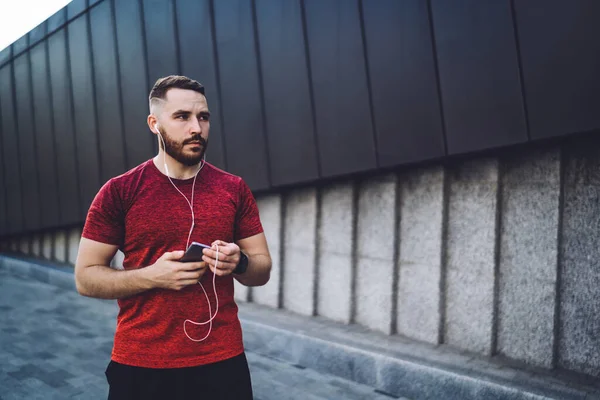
[229,257]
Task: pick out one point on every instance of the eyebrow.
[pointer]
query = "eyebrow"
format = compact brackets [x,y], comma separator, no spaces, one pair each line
[185,112]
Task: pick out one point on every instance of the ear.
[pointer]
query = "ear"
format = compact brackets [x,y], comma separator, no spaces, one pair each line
[153,123]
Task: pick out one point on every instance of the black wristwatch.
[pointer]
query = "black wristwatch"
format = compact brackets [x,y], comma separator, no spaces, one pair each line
[242,265]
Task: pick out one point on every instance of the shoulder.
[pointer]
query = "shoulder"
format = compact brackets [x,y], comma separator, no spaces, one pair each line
[133,175]
[224,179]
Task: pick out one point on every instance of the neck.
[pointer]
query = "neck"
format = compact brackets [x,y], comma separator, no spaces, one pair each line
[176,169]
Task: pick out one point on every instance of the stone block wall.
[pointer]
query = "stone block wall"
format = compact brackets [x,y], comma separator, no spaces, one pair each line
[494,255]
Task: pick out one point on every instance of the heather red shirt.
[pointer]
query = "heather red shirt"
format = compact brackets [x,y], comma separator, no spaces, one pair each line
[142,213]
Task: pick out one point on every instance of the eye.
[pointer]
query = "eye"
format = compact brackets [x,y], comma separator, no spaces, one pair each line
[181,117]
[205,117]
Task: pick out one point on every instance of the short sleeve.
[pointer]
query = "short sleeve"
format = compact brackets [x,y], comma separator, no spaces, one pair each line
[247,222]
[105,220]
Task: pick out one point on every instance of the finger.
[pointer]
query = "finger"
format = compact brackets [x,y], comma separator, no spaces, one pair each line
[173,255]
[190,282]
[212,254]
[191,266]
[220,264]
[188,276]
[219,271]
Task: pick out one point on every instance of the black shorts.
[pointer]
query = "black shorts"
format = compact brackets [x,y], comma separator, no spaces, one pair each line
[228,379]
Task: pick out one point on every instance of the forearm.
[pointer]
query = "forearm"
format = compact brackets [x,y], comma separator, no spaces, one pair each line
[258,272]
[103,282]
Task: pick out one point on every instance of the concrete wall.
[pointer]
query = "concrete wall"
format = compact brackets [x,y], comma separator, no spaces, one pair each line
[495,255]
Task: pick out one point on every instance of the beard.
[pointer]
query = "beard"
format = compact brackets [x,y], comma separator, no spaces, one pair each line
[176,149]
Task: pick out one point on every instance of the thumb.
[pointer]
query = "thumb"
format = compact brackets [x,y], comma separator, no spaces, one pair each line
[174,255]
[219,243]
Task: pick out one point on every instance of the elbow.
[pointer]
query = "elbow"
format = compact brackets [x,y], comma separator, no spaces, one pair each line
[80,286]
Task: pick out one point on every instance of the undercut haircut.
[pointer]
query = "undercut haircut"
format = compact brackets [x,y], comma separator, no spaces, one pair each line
[163,85]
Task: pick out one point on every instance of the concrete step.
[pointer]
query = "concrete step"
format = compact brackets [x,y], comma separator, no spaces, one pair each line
[397,366]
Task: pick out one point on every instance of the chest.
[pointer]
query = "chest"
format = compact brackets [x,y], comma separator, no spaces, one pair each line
[160,216]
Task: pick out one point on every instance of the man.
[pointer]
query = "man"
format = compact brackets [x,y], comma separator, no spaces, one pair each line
[152,213]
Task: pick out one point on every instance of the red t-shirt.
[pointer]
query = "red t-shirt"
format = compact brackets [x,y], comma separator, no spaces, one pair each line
[142,213]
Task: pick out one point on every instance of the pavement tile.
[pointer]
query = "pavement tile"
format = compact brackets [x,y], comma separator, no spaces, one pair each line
[55,344]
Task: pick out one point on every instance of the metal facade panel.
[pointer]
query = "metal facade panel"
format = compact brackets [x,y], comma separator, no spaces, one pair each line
[479,74]
[346,139]
[240,93]
[134,84]
[159,23]
[66,155]
[560,54]
[198,61]
[404,84]
[10,151]
[288,109]
[110,133]
[27,146]
[45,144]
[82,87]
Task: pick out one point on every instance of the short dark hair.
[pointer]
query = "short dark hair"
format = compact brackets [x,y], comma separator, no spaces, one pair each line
[162,86]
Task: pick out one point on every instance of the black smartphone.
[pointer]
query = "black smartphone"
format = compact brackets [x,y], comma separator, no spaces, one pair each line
[194,252]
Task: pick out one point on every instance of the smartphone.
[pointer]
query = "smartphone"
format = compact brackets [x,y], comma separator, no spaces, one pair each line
[194,252]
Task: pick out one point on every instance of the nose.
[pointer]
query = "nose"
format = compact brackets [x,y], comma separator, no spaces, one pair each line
[196,127]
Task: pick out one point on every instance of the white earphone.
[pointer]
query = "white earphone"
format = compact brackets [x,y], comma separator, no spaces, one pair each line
[190,203]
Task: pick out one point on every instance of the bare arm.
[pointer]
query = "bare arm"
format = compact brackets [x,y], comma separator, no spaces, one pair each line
[259,259]
[94,277]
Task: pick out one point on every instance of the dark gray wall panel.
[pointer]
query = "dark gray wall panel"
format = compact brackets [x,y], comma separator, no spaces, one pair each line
[10,151]
[560,54]
[197,53]
[66,156]
[240,93]
[337,60]
[406,105]
[20,44]
[57,19]
[46,162]
[289,117]
[37,33]
[5,54]
[75,7]
[479,74]
[27,145]
[160,39]
[84,113]
[3,192]
[110,136]
[134,84]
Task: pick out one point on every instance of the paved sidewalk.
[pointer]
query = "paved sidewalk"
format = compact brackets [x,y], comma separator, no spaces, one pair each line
[55,344]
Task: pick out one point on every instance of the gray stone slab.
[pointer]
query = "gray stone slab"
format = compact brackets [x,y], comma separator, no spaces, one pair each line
[299,251]
[25,245]
[376,227]
[471,248]
[335,252]
[579,341]
[420,257]
[73,239]
[528,256]
[47,246]
[269,207]
[388,364]
[60,246]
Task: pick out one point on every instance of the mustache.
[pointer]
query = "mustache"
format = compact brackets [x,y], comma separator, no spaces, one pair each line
[196,138]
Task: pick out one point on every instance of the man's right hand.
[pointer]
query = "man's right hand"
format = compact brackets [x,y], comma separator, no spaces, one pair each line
[168,273]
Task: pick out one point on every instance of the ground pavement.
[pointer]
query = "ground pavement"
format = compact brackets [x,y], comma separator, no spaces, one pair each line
[55,344]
